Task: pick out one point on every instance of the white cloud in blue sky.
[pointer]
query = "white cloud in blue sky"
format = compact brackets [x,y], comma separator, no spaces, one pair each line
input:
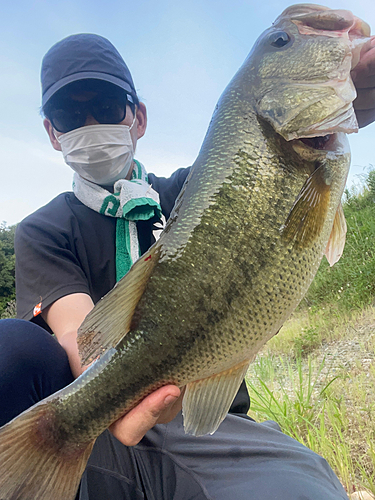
[181,55]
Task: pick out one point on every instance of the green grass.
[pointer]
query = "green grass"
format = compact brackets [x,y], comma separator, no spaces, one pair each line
[322,410]
[350,284]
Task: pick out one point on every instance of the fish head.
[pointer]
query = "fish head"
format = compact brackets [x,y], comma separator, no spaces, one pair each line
[300,77]
[302,64]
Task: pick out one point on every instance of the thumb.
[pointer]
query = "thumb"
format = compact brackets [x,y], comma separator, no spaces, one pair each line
[131,428]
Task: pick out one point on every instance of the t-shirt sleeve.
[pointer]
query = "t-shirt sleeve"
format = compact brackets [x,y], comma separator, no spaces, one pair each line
[47,267]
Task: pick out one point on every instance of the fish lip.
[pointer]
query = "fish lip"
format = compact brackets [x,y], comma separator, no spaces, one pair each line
[343,120]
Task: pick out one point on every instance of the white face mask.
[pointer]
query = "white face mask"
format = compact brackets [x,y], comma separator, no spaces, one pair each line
[102,154]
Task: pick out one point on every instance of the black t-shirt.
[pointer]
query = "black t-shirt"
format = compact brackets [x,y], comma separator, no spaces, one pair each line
[66,247]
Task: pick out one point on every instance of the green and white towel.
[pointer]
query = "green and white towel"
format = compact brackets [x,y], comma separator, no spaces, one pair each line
[132,200]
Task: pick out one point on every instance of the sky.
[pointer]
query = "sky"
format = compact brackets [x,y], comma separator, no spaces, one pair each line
[181,53]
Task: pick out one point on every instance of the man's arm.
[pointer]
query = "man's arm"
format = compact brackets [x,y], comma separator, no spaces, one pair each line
[64,318]
[363,77]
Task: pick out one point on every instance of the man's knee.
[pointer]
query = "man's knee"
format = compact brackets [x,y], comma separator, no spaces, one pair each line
[24,343]
[33,365]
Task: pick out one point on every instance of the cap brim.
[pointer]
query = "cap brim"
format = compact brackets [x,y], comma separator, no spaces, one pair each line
[86,75]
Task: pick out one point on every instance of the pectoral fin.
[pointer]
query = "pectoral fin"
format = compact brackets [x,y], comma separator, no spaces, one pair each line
[308,213]
[206,402]
[336,242]
[111,317]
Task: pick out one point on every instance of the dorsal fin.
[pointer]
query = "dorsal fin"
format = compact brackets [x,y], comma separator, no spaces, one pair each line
[111,317]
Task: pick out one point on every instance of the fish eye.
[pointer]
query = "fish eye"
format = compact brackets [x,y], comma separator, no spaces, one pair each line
[279,39]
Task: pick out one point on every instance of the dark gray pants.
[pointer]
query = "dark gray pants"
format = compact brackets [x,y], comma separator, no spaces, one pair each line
[242,460]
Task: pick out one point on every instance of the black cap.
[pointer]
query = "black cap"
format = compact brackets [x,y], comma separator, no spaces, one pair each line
[80,57]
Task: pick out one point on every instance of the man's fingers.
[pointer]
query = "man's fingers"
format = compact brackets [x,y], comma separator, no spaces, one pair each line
[171,411]
[365,99]
[366,83]
[368,45]
[365,117]
[131,428]
[363,77]
[365,69]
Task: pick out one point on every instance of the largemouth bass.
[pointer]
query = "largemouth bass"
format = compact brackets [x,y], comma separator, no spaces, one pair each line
[259,210]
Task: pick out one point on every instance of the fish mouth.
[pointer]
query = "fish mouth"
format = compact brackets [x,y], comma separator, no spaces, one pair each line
[328,136]
[321,143]
[318,147]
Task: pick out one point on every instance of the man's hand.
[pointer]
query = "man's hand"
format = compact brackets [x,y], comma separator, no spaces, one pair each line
[159,407]
[363,77]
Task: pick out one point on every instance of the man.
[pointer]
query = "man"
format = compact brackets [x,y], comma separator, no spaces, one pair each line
[71,252]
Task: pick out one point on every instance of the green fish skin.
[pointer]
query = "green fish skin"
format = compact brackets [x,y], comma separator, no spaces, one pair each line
[259,210]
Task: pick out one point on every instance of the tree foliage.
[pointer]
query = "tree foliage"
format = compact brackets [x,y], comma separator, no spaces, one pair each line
[7,265]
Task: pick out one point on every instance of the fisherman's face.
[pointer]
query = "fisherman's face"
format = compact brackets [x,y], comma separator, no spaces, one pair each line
[83,96]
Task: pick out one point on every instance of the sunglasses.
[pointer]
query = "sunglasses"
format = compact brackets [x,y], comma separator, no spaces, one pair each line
[67,114]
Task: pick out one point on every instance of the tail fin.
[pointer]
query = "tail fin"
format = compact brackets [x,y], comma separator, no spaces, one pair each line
[32,467]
